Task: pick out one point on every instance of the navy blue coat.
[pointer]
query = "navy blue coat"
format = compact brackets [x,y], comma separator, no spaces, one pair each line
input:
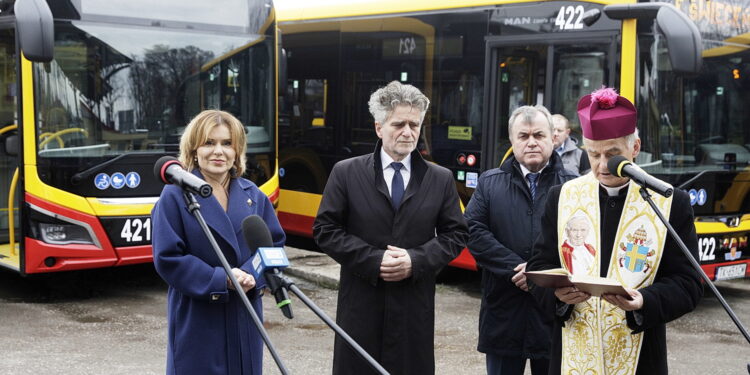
[209,329]
[503,224]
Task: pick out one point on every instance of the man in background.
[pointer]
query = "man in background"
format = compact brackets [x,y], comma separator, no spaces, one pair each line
[503,217]
[573,158]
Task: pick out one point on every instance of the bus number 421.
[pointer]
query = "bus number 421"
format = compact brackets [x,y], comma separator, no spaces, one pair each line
[135,229]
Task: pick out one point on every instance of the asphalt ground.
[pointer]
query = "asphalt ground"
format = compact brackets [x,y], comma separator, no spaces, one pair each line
[113,321]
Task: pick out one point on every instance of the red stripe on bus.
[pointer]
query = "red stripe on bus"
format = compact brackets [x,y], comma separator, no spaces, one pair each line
[274,197]
[298,225]
[68,257]
[134,255]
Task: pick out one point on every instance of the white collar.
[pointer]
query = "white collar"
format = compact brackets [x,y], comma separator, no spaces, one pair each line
[386,160]
[613,191]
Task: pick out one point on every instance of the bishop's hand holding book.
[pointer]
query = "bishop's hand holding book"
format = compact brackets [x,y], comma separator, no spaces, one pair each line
[561,278]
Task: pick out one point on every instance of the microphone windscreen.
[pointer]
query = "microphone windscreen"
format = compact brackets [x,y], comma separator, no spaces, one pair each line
[161,164]
[614,164]
[256,233]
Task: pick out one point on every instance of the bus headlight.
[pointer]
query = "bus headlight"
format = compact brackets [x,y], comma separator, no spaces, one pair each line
[56,229]
[64,234]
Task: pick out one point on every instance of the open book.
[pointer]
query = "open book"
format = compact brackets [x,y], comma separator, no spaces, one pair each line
[560,277]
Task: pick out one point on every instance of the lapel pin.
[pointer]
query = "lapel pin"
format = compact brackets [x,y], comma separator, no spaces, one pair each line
[250,202]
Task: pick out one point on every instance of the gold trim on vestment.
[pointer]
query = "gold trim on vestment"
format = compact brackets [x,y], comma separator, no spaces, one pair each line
[596,339]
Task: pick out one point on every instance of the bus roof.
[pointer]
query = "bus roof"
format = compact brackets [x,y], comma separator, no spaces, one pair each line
[306,10]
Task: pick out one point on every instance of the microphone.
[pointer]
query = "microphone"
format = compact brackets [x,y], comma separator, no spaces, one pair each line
[169,171]
[622,167]
[268,260]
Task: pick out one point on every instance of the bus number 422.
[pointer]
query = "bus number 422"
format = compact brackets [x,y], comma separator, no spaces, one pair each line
[565,18]
[135,229]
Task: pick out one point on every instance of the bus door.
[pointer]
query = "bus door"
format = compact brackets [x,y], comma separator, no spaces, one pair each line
[552,70]
[9,149]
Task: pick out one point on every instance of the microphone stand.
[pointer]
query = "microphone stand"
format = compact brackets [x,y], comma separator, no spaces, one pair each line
[282,281]
[647,197]
[194,208]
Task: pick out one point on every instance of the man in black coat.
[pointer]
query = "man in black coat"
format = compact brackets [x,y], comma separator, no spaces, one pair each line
[392,221]
[503,217]
[615,334]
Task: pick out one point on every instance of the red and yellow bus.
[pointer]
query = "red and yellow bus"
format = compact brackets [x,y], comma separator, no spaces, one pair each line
[479,59]
[94,92]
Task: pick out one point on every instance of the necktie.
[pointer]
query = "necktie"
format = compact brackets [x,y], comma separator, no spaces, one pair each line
[532,177]
[397,185]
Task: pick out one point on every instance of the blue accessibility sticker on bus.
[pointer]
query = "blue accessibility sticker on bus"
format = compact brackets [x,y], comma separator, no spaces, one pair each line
[101,181]
[133,179]
[118,180]
[702,197]
[693,196]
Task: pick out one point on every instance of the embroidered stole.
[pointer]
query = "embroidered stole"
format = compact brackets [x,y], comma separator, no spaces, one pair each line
[596,339]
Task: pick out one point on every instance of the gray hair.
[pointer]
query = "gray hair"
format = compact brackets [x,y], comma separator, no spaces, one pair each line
[630,138]
[385,99]
[529,113]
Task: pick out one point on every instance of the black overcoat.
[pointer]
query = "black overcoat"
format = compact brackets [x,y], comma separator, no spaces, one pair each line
[393,321]
[503,224]
[676,290]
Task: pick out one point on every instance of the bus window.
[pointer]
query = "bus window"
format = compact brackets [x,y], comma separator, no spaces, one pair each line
[578,71]
[109,92]
[554,74]
[516,86]
[709,149]
[315,100]
[373,60]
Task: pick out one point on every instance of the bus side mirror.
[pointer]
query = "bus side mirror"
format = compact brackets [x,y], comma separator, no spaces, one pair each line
[682,36]
[36,31]
[683,40]
[12,145]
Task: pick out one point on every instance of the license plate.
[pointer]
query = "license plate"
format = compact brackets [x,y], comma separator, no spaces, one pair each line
[734,271]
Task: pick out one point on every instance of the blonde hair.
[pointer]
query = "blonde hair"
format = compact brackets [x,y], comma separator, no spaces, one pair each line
[196,134]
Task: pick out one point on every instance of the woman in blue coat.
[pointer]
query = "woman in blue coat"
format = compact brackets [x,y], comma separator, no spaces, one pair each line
[209,329]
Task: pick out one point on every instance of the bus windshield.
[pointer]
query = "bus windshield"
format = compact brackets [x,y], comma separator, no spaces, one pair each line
[115,89]
[693,130]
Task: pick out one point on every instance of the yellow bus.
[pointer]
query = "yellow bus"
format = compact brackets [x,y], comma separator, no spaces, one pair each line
[94,92]
[479,59]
